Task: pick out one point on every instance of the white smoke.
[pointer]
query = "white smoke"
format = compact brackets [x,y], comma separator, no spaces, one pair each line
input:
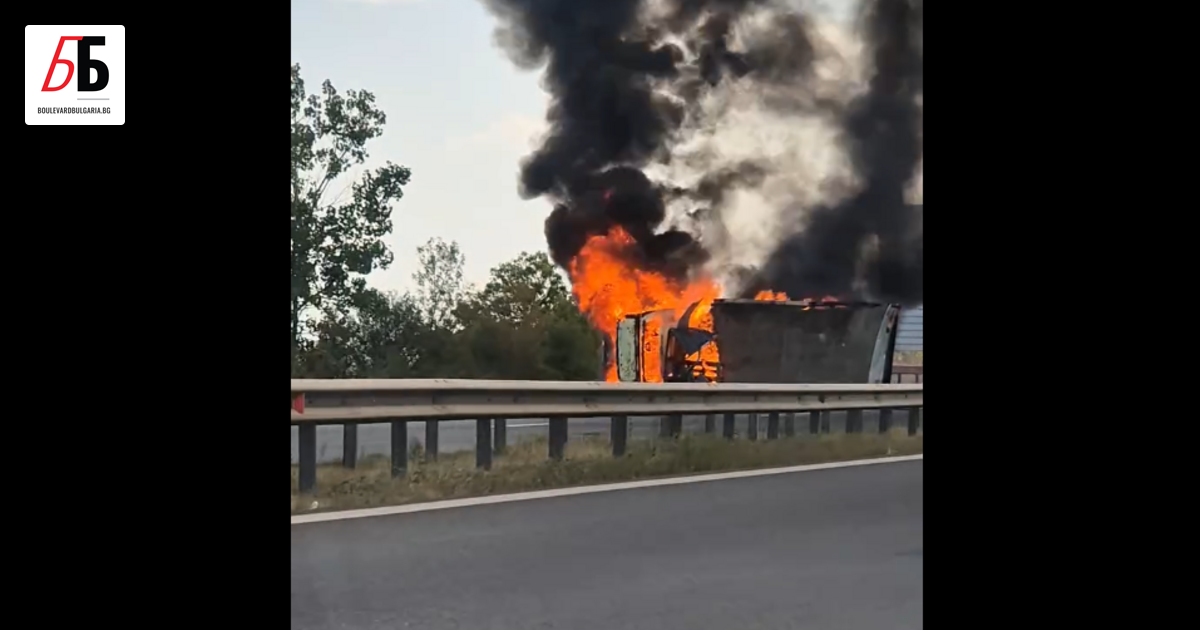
[785,128]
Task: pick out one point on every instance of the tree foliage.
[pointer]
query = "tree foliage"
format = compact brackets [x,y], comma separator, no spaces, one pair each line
[521,325]
[522,288]
[439,279]
[336,242]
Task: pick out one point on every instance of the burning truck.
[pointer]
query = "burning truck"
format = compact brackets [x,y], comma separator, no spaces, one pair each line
[759,341]
[642,96]
[657,328]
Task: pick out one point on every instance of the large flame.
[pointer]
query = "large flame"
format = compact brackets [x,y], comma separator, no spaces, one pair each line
[607,288]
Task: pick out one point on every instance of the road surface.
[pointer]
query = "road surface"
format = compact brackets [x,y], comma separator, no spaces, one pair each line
[836,549]
[375,439]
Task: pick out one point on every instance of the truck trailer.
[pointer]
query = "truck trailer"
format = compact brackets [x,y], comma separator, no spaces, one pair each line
[753,341]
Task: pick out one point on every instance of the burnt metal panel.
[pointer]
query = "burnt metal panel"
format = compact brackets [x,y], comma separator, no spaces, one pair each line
[607,355]
[885,347]
[647,343]
[627,350]
[784,342]
[691,340]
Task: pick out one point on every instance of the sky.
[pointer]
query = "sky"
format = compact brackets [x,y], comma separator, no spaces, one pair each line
[460,115]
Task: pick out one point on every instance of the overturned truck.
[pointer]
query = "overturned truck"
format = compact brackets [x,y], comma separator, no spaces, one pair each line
[752,341]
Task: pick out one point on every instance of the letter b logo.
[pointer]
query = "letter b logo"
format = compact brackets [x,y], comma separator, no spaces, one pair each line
[75,74]
[86,65]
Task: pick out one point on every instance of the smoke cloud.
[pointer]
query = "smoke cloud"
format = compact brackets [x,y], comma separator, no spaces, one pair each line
[743,137]
[874,237]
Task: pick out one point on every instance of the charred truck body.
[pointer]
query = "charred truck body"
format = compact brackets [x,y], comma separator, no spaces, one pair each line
[751,341]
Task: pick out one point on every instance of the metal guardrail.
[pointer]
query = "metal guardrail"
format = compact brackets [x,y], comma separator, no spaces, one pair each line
[351,402]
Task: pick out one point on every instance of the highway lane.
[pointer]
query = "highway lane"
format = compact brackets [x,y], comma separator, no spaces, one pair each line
[375,439]
[838,549]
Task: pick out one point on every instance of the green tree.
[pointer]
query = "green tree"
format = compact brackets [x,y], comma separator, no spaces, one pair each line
[335,243]
[523,325]
[332,352]
[439,279]
[571,349]
[389,337]
[523,287]
[383,337]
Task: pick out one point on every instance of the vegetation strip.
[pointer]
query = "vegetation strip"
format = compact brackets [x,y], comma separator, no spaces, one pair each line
[524,467]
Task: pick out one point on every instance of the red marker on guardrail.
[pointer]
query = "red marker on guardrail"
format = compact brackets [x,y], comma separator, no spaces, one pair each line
[298,404]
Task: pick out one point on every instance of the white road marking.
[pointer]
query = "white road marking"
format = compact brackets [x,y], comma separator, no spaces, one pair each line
[525,425]
[566,492]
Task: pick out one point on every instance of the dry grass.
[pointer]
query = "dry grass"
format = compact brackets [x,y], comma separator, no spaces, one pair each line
[909,357]
[525,467]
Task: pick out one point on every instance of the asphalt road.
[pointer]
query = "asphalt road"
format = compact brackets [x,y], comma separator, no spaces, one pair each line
[834,549]
[375,439]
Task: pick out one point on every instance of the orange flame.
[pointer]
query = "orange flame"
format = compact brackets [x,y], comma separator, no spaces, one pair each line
[771,296]
[607,288]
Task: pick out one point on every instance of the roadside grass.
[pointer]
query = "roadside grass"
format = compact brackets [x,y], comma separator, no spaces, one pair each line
[525,467]
[909,357]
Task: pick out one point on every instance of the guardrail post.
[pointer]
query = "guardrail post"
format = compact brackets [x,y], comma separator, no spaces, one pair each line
[675,424]
[826,421]
[501,437]
[400,447]
[664,427]
[710,423]
[914,420]
[727,426]
[558,438]
[885,420]
[773,425]
[431,440]
[854,420]
[483,443]
[619,435]
[752,426]
[308,458]
[349,445]
[789,424]
[814,422]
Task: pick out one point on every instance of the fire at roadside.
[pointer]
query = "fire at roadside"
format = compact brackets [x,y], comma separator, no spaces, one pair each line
[608,286]
[626,79]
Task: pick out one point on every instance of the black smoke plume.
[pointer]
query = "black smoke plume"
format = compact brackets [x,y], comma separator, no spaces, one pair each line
[874,235]
[620,93]
[624,75]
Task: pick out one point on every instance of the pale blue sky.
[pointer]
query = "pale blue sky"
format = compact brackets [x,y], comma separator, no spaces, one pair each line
[459,115]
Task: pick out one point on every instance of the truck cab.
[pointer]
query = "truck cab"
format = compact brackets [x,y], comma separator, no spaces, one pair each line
[639,347]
